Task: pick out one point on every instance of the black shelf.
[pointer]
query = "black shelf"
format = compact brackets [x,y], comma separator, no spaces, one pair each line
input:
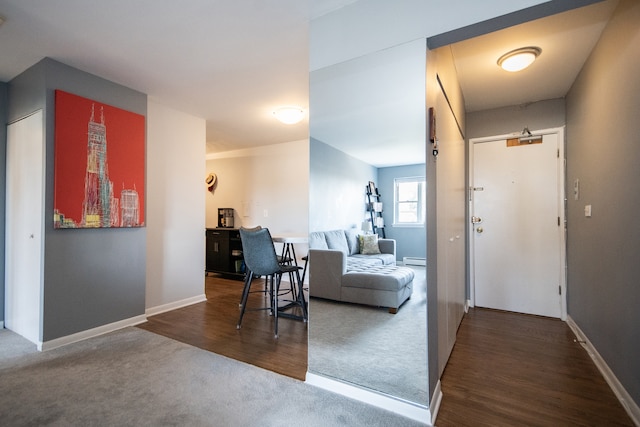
[220,246]
[376,215]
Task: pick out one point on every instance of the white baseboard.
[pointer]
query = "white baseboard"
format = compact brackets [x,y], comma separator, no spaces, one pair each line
[411,260]
[174,305]
[401,407]
[104,329]
[618,389]
[436,400]
[90,333]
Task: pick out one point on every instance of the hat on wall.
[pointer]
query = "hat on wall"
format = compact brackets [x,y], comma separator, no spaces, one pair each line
[211,180]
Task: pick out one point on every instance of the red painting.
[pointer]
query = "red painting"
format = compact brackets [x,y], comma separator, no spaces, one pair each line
[99,165]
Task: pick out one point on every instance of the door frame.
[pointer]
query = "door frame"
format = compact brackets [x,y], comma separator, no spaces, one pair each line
[562,202]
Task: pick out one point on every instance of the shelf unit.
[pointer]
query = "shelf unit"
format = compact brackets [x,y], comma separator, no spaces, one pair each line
[374,206]
[224,253]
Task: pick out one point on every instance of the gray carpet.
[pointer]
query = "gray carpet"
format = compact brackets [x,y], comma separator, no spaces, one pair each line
[370,347]
[136,378]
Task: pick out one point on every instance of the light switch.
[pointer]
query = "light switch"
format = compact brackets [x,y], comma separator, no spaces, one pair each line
[587,211]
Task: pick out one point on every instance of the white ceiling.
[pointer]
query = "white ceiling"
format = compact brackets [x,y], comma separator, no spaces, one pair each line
[232,62]
[566,40]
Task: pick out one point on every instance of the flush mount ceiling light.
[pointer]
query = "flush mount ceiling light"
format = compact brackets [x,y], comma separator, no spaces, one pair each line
[519,59]
[289,115]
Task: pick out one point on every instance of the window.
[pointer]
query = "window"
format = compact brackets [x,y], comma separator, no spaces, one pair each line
[409,201]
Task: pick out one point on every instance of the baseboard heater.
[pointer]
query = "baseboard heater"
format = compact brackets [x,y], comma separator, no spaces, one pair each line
[411,260]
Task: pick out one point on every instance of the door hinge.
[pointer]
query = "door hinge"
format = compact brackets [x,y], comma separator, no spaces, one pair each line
[559,289]
[558,221]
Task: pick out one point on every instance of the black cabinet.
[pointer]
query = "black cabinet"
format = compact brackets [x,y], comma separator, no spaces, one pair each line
[224,252]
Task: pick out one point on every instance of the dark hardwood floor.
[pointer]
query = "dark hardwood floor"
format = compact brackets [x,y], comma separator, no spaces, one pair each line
[509,369]
[506,369]
[211,326]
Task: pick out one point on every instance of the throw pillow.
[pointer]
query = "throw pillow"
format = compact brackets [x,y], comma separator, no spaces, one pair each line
[369,244]
[352,241]
[317,240]
[336,239]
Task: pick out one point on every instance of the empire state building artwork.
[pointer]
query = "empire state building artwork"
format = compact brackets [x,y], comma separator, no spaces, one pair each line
[99,165]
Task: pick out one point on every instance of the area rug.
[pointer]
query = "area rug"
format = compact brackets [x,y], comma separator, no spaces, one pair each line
[369,347]
[133,377]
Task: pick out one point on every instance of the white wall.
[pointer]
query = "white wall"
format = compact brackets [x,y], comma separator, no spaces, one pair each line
[267,186]
[175,207]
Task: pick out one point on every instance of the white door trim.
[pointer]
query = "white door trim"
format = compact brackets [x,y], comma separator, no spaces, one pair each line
[561,214]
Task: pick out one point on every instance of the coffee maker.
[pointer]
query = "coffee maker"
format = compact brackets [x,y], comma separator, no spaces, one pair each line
[225,217]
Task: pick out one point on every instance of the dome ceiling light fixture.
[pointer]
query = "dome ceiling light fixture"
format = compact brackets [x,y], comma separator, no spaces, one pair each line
[289,115]
[519,59]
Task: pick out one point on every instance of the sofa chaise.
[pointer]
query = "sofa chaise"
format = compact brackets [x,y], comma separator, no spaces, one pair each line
[344,266]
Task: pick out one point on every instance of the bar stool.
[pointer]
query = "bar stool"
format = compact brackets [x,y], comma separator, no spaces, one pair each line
[260,259]
[268,280]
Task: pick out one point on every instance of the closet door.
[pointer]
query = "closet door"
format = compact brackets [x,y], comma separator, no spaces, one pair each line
[24,227]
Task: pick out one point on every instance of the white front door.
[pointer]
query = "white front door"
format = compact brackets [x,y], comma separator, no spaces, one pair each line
[24,226]
[517,234]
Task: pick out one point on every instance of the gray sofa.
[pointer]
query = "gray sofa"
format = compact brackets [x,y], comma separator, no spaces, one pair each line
[339,271]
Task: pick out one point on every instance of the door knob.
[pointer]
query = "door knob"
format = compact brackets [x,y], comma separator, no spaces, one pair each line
[479,229]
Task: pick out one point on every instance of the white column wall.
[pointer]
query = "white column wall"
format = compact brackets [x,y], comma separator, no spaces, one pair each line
[175,208]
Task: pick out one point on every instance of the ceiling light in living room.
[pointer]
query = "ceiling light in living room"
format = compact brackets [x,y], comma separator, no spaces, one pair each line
[289,115]
[519,59]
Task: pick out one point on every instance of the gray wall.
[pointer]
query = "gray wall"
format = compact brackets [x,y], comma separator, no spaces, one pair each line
[500,121]
[410,241]
[603,152]
[337,185]
[337,197]
[92,277]
[3,153]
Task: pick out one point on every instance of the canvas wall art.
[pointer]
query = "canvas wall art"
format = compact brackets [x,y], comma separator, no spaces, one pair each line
[99,164]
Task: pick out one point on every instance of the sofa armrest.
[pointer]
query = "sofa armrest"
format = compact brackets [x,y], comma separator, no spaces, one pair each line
[326,268]
[387,246]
